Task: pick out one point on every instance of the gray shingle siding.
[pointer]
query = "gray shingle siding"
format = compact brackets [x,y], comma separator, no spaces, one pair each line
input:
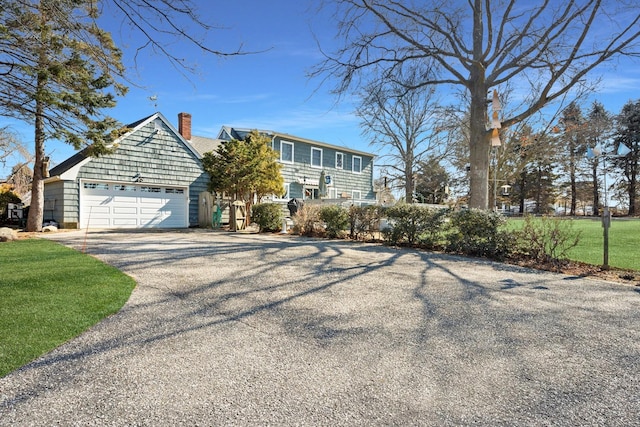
[158,157]
[62,196]
[343,180]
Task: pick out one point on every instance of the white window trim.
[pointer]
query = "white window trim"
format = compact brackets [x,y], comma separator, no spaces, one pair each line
[287,189]
[292,152]
[311,161]
[353,194]
[353,164]
[342,156]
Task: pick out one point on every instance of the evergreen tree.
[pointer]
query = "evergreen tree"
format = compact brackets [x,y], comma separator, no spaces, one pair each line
[628,134]
[431,182]
[535,178]
[599,128]
[246,168]
[573,148]
[58,71]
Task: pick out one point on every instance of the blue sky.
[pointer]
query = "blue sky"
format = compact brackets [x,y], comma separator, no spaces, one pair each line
[268,90]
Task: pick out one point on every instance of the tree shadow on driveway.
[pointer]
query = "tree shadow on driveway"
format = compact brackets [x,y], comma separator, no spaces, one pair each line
[403,333]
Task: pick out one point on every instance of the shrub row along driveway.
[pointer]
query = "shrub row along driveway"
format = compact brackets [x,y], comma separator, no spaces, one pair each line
[260,329]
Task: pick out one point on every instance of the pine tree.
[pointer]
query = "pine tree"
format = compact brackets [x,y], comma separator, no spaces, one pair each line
[573,146]
[599,128]
[245,168]
[431,182]
[628,133]
[58,71]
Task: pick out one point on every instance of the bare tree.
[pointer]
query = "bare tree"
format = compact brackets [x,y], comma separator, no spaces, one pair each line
[547,47]
[10,145]
[403,125]
[166,26]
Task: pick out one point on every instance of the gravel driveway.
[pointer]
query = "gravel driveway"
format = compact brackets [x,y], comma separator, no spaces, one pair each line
[239,329]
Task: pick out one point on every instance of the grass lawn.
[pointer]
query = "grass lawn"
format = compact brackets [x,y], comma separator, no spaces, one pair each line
[624,242]
[50,294]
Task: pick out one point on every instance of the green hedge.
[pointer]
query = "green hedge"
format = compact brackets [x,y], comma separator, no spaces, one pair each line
[336,219]
[268,216]
[468,232]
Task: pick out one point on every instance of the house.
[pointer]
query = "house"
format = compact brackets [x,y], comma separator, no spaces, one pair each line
[154,176]
[152,179]
[348,173]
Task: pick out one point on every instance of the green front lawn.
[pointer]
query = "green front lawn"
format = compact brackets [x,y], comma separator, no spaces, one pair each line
[624,241]
[50,294]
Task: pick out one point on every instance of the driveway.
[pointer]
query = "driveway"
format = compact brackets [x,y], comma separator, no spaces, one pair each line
[239,329]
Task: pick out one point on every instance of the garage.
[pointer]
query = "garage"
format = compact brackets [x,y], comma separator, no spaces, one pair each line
[125,205]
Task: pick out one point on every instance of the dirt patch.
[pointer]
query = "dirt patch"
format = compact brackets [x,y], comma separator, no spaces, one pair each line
[579,269]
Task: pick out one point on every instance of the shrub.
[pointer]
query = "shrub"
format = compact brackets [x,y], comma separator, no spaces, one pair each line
[6,196]
[415,224]
[336,219]
[477,233]
[307,222]
[364,221]
[268,216]
[545,238]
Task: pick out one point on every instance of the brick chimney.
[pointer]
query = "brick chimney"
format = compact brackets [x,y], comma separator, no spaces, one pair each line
[184,125]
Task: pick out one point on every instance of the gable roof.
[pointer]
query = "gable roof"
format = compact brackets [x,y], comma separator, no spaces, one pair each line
[82,155]
[204,145]
[230,132]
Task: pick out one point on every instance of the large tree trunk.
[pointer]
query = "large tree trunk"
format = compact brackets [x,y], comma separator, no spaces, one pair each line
[409,181]
[479,138]
[36,209]
[479,174]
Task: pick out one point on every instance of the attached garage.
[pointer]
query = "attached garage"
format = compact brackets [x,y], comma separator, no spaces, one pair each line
[118,205]
[152,179]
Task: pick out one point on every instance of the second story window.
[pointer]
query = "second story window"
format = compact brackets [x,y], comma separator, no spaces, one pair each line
[357,164]
[316,157]
[339,161]
[286,152]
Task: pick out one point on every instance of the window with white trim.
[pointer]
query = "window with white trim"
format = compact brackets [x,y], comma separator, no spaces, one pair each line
[339,160]
[316,157]
[286,152]
[282,196]
[311,193]
[356,164]
[356,194]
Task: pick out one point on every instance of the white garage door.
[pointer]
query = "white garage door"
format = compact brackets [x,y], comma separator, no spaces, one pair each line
[114,205]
